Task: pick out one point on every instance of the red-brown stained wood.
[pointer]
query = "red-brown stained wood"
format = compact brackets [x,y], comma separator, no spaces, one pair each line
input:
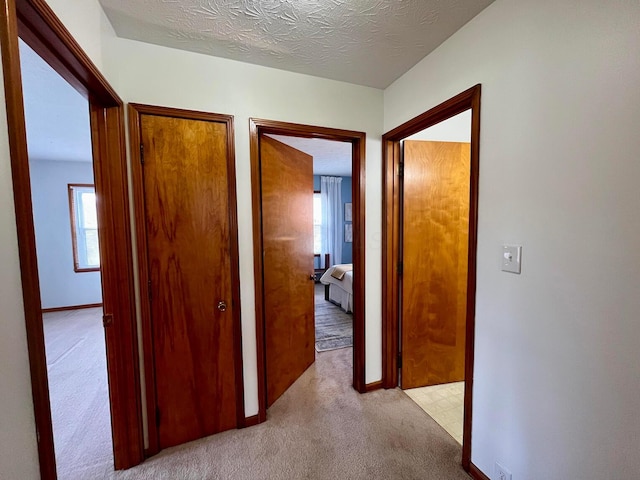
[188,241]
[287,216]
[476,473]
[435,249]
[118,298]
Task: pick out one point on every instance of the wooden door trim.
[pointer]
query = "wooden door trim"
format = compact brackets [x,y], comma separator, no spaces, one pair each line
[135,112]
[258,127]
[469,99]
[476,473]
[43,31]
[110,171]
[39,27]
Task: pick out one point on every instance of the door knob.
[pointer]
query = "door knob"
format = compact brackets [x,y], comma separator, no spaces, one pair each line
[312,277]
[222,306]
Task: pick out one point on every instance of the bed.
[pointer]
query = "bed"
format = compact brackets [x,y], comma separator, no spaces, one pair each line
[339,280]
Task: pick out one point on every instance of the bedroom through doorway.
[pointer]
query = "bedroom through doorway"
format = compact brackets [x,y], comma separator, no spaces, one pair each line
[332,239]
[300,314]
[68,258]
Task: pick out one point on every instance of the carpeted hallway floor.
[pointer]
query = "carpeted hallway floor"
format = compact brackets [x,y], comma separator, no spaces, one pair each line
[77,369]
[319,429]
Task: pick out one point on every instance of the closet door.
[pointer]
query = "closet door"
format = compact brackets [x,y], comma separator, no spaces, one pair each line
[190,265]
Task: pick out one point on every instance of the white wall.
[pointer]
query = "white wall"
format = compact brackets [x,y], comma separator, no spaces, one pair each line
[454,129]
[60,285]
[85,19]
[156,75]
[18,451]
[557,382]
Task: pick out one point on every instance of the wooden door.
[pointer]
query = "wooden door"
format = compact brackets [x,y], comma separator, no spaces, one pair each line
[187,216]
[287,236]
[435,234]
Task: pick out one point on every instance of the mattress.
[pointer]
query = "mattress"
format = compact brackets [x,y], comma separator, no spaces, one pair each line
[340,291]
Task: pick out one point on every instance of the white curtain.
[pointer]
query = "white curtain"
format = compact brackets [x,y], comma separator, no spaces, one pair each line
[331,199]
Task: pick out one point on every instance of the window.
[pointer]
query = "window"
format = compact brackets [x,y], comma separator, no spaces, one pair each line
[84,228]
[317,223]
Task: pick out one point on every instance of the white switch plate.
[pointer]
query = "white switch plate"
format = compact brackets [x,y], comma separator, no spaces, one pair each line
[511,258]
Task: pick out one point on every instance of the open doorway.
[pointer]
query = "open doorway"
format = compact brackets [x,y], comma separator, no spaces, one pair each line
[283,189]
[38,26]
[68,256]
[430,204]
[332,239]
[434,249]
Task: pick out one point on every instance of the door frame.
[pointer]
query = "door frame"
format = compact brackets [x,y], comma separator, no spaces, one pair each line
[391,248]
[135,111]
[40,28]
[257,128]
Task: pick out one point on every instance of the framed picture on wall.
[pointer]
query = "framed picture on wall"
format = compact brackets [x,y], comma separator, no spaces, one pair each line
[347,212]
[348,232]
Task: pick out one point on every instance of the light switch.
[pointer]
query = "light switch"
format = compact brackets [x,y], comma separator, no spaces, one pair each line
[511,258]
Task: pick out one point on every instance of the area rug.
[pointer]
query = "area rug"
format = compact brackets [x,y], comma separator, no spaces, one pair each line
[334,327]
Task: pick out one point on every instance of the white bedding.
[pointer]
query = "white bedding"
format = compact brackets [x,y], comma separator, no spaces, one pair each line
[340,291]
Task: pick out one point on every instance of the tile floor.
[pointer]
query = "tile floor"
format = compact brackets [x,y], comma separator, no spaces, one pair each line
[444,403]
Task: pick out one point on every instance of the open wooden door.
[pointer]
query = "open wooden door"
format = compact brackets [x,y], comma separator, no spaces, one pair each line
[287,229]
[435,236]
[190,265]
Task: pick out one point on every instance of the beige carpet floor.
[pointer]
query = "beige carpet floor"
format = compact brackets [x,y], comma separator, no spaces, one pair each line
[77,369]
[319,429]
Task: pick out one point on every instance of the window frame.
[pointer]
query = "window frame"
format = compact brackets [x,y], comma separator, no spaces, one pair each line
[73,218]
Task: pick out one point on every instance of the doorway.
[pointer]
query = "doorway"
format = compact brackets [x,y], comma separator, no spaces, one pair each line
[397,246]
[264,217]
[65,218]
[332,238]
[434,240]
[38,26]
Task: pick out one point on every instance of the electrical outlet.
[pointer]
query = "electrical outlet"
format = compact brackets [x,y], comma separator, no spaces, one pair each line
[502,473]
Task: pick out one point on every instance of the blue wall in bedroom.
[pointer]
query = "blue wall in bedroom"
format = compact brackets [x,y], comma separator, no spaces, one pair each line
[347,250]
[60,285]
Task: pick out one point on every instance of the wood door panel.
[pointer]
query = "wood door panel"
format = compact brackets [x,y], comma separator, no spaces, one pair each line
[435,251]
[188,242]
[287,229]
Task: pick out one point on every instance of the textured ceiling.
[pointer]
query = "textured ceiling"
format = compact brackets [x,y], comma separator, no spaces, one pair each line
[329,157]
[366,42]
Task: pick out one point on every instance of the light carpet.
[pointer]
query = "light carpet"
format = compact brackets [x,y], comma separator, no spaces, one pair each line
[77,369]
[319,429]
